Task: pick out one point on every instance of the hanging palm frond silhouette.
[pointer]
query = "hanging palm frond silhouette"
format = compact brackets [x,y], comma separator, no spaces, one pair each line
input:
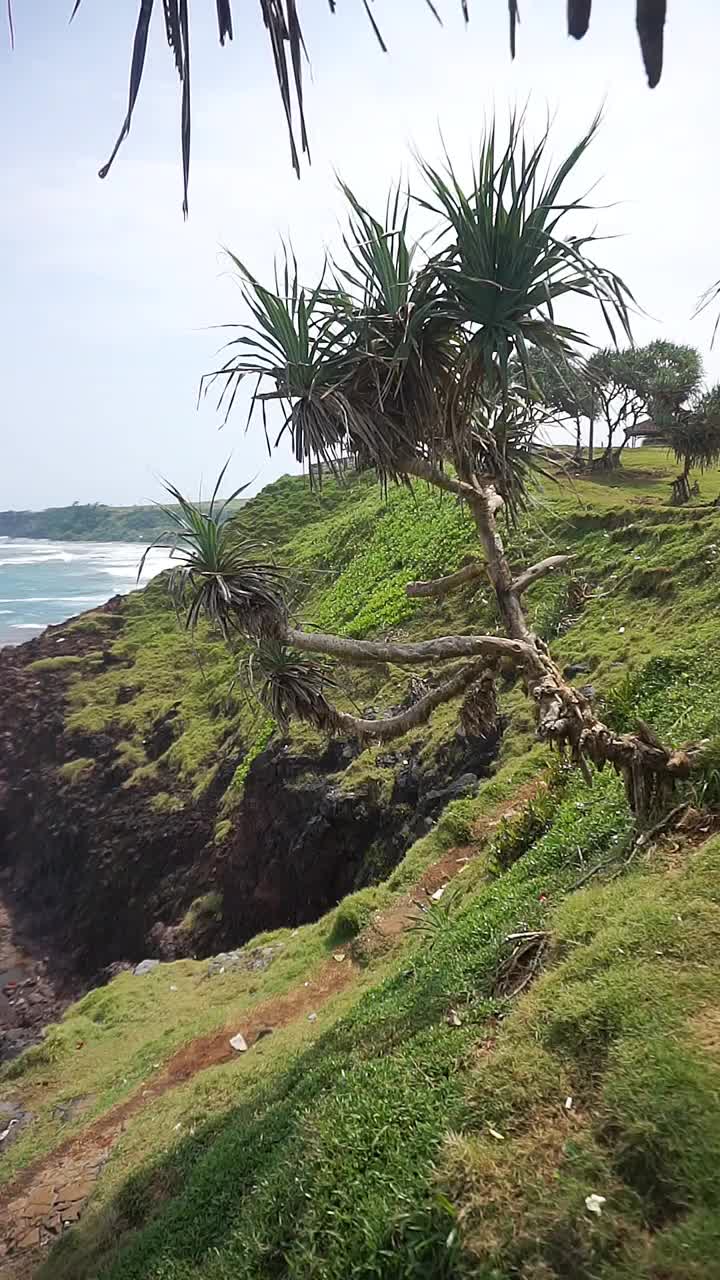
[282,23]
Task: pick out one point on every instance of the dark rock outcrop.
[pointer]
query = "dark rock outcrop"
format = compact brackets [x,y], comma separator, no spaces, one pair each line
[97,877]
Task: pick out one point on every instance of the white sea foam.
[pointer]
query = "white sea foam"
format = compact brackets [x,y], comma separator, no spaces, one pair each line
[52,600]
[60,556]
[47,582]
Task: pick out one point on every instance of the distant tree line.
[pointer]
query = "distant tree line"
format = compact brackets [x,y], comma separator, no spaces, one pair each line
[86,522]
[654,393]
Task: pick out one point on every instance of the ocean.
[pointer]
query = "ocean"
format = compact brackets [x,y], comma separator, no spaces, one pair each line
[43,582]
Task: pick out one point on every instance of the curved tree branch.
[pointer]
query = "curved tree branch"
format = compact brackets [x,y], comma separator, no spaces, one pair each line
[441,586]
[537,571]
[442,649]
[418,713]
[412,465]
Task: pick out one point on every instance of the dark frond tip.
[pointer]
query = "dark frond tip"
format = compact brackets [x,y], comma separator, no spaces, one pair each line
[224,16]
[514,15]
[578,17]
[650,21]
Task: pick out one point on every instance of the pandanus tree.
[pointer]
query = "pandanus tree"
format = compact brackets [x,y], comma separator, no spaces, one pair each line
[617,404]
[694,437]
[667,376]
[416,363]
[653,382]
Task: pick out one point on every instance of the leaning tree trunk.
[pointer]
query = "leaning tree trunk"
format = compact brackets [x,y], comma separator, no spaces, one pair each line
[578,442]
[609,459]
[565,717]
[681,486]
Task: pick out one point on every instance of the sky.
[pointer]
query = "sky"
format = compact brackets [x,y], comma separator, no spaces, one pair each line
[110,300]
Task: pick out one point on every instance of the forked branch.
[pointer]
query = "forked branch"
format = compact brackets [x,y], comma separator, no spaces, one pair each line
[411,464]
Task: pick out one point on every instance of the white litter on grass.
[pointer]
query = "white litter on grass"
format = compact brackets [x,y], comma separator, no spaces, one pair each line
[594,1204]
[437,895]
[312,1017]
[494,1133]
[568,1104]
[5,1132]
[239,1043]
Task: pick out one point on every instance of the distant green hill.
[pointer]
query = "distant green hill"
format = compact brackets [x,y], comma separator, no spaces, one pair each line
[88,522]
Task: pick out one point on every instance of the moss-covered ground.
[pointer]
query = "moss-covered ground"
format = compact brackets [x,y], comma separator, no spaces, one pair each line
[429,1122]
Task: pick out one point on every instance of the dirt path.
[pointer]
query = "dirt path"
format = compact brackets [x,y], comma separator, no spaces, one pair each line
[50,1195]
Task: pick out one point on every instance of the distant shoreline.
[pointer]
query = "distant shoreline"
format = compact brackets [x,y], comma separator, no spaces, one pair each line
[90,522]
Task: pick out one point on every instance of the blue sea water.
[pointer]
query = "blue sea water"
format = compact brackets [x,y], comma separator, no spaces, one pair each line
[43,582]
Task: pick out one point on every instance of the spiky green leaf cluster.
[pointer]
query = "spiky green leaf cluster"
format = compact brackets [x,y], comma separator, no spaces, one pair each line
[217,574]
[422,348]
[695,435]
[290,685]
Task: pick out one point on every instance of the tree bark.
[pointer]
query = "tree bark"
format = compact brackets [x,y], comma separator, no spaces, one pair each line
[441,586]
[412,465]
[537,571]
[484,505]
[578,441]
[443,649]
[395,726]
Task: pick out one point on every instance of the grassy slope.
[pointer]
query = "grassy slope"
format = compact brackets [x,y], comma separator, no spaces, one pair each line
[366,1143]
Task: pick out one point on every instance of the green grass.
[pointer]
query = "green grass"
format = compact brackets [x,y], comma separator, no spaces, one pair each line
[76,771]
[366,1143]
[63,662]
[359,1153]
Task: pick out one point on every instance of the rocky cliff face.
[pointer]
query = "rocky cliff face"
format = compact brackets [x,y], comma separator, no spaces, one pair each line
[85,866]
[94,875]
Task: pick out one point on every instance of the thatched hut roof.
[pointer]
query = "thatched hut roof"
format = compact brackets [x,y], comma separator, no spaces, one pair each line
[646,428]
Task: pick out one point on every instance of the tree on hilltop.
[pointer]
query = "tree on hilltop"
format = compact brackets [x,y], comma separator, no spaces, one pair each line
[667,377]
[637,389]
[693,434]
